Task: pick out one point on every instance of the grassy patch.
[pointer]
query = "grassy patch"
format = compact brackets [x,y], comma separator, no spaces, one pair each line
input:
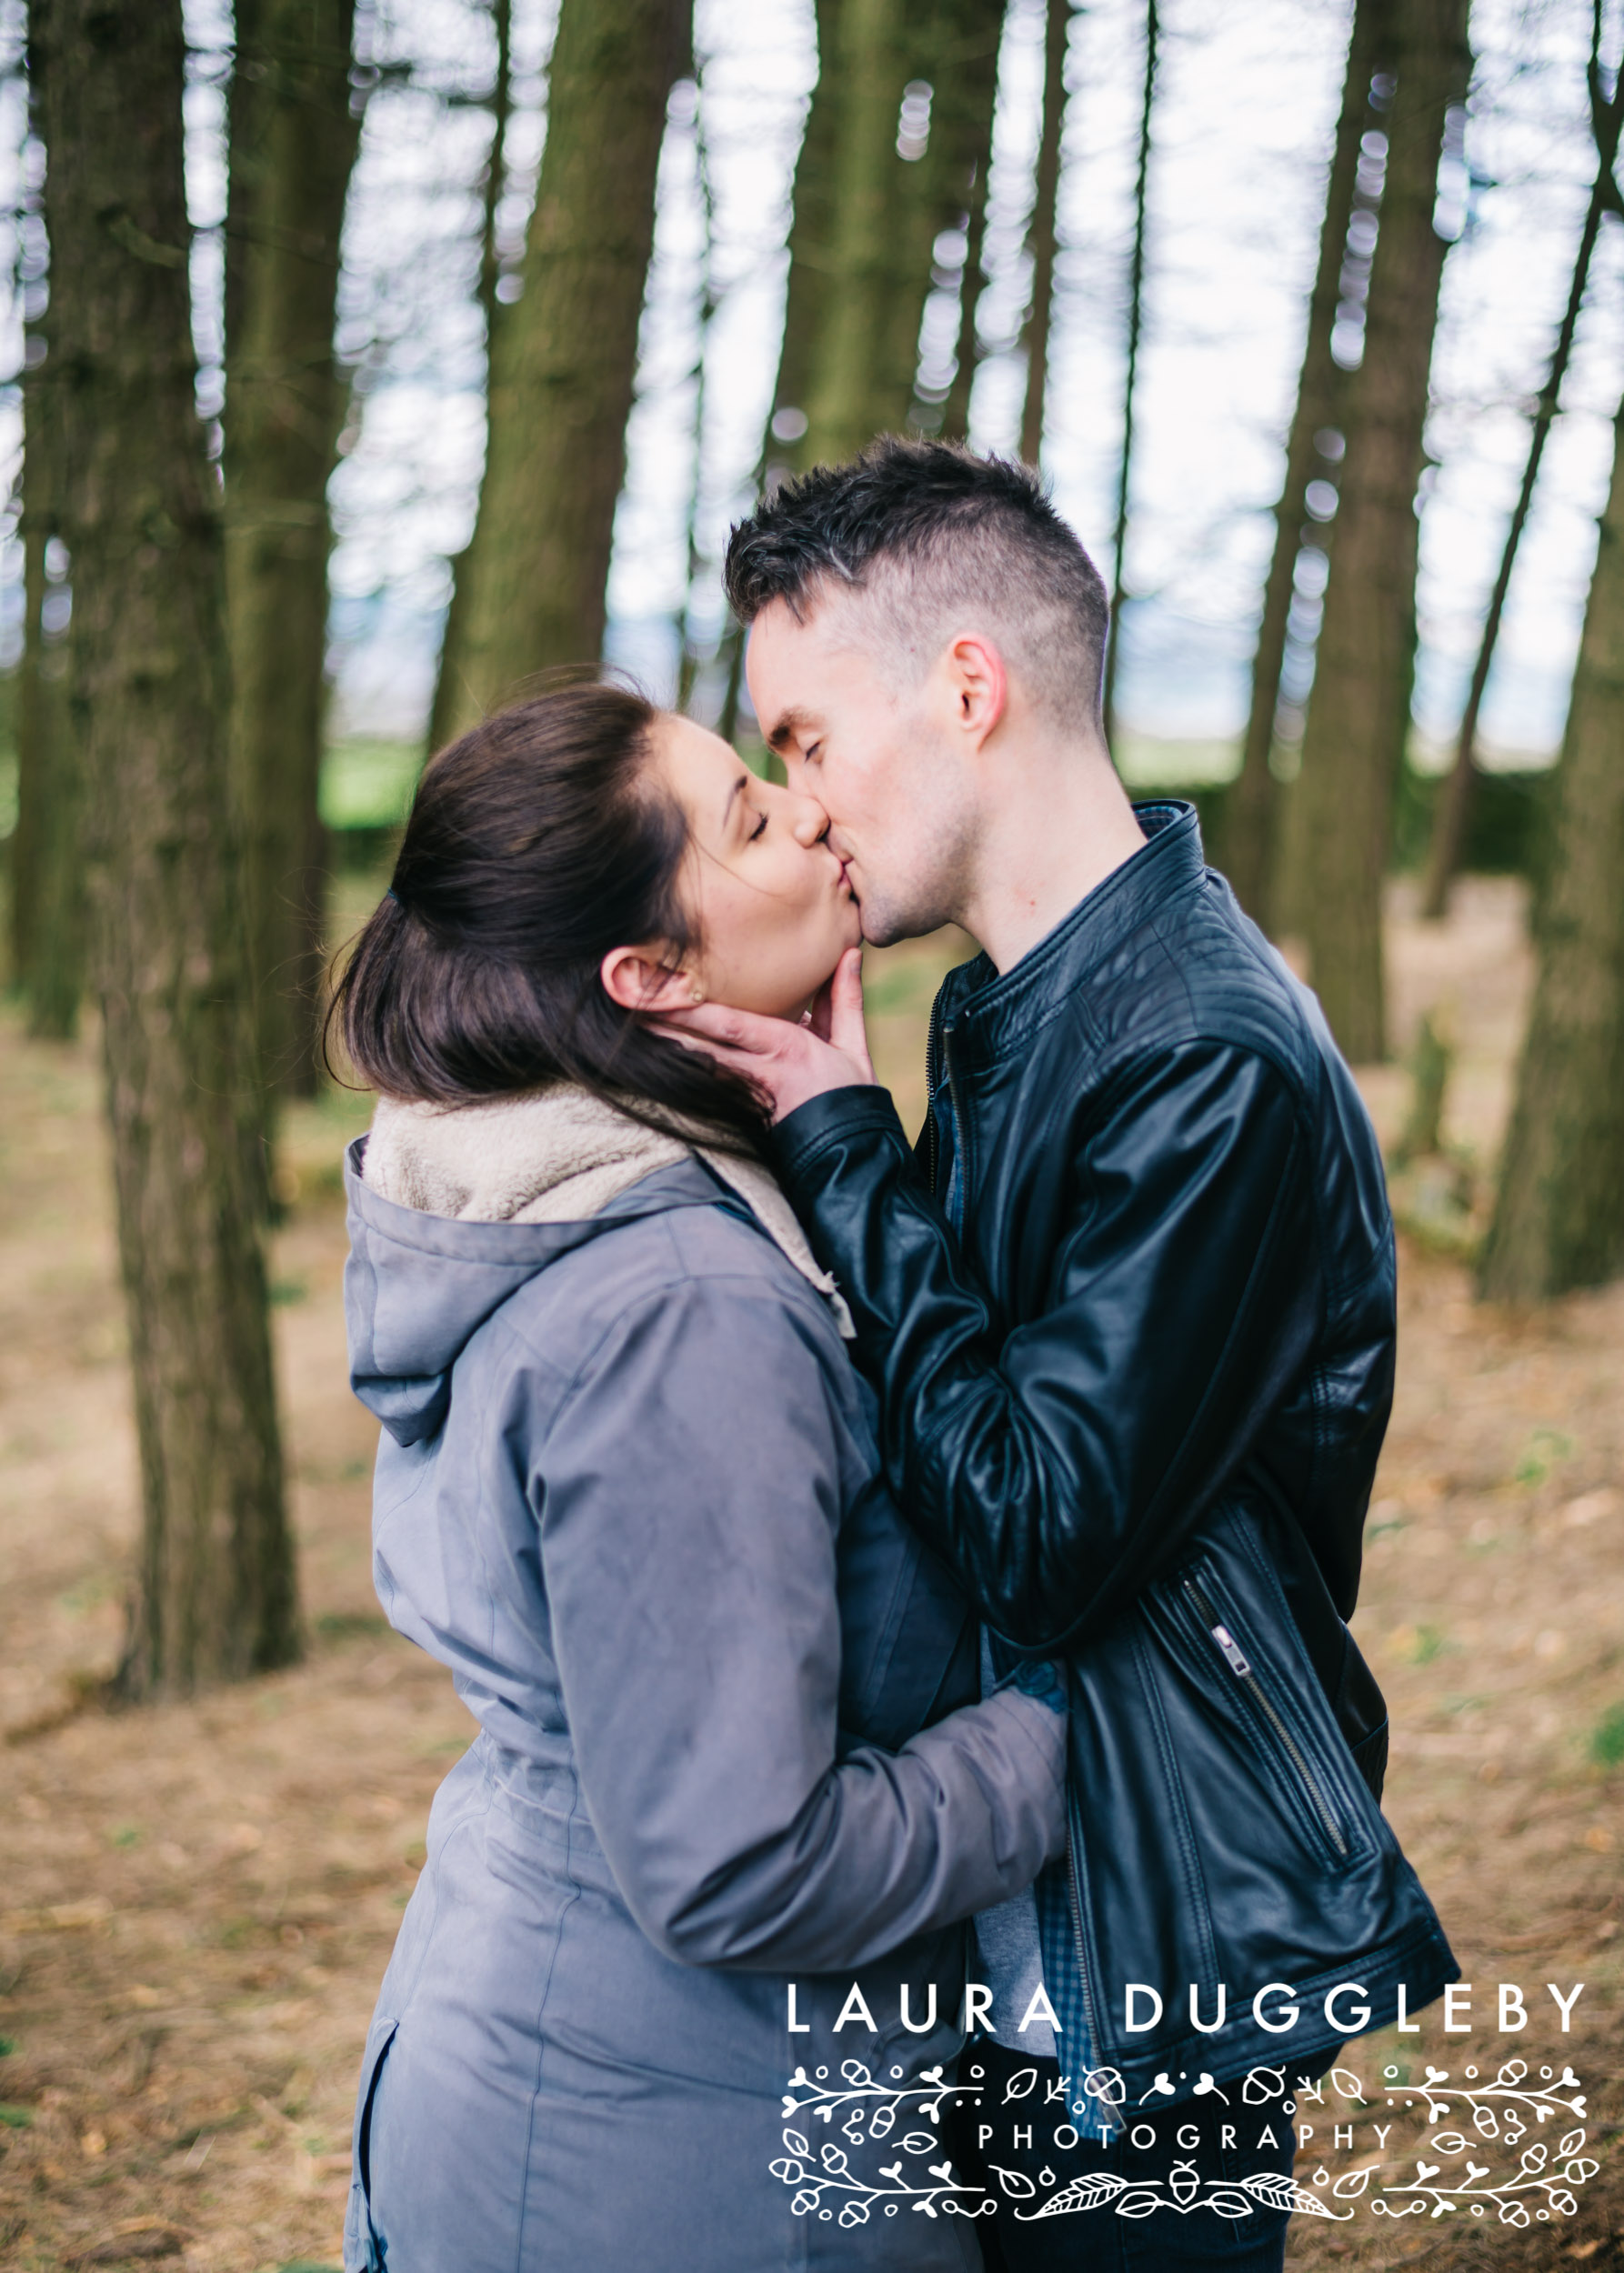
[1607,1739]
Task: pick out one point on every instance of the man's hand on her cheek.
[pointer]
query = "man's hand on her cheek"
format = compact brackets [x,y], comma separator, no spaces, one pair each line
[828,1050]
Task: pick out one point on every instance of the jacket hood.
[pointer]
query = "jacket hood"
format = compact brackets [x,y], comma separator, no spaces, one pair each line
[416,1287]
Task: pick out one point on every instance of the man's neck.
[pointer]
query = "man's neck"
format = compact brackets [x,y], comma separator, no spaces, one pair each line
[1064,827]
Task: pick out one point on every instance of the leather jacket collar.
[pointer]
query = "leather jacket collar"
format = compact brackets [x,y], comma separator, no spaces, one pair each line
[990,1015]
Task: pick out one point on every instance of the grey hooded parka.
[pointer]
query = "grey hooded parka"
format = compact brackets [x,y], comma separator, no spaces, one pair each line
[627,1491]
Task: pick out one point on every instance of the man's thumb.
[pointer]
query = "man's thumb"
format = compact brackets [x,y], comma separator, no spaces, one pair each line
[846,1030]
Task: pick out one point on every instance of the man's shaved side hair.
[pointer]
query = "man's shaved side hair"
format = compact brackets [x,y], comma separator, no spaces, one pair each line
[938,541]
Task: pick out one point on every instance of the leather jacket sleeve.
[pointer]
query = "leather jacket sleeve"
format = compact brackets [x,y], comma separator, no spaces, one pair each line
[1057,1465]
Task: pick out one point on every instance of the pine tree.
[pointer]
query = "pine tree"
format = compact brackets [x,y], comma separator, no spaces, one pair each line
[1455,798]
[47,898]
[1253,808]
[295,133]
[215,1590]
[1044,238]
[1559,1218]
[1359,712]
[564,359]
[1135,321]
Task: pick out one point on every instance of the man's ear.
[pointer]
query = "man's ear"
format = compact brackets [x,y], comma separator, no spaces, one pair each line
[979,683]
[635,981]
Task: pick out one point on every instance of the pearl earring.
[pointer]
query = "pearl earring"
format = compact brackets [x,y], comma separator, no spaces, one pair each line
[696,994]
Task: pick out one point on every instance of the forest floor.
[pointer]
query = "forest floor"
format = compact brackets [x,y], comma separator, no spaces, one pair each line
[198,1901]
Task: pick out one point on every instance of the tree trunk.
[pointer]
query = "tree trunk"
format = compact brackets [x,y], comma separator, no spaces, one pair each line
[953,49]
[1136,302]
[47,898]
[284,403]
[1559,1220]
[1043,239]
[564,358]
[1358,713]
[455,634]
[866,215]
[854,382]
[1454,796]
[1253,812]
[214,1593]
[811,254]
[976,87]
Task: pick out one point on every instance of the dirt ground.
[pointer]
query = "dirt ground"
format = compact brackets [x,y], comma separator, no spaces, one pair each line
[198,1901]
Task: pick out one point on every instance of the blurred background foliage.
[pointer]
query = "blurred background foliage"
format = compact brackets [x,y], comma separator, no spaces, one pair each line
[435,344]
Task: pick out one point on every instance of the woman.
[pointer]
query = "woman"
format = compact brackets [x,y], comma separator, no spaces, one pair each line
[626,1490]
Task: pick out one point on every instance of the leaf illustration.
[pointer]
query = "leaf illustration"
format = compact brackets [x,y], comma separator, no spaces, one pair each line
[1278,2192]
[1572,2143]
[1139,2203]
[1082,2194]
[1348,2083]
[796,2144]
[918,2142]
[1021,2085]
[1015,2182]
[1352,2183]
[1451,2143]
[1224,2202]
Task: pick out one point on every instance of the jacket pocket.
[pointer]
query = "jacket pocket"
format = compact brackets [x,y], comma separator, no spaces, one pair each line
[1235,1657]
[361,2250]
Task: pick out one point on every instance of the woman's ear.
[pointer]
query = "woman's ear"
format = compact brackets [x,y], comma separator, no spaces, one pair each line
[635,982]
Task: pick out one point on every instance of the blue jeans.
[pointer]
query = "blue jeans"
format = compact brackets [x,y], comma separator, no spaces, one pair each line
[1099,2240]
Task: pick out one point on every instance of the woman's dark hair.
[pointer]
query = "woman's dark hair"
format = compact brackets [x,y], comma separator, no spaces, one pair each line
[535,844]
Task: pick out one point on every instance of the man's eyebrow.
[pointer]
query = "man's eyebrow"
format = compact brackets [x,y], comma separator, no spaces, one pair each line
[790,723]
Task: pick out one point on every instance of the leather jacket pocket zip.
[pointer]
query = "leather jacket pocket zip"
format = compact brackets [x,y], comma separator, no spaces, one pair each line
[1239,1666]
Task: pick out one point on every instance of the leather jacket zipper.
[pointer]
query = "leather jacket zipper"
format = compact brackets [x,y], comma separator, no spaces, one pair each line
[932,1056]
[1235,1657]
[1095,2049]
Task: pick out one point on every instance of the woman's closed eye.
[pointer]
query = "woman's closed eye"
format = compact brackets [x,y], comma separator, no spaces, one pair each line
[757,830]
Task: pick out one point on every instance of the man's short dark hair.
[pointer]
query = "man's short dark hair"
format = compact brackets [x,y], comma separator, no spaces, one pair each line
[939,540]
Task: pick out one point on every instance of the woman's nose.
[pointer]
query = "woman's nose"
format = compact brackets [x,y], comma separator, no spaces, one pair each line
[811,823]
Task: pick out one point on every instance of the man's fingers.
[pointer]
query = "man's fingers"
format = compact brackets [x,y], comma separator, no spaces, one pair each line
[847,1031]
[734,1030]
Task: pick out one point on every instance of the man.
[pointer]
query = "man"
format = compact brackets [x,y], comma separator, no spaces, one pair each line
[1129,1310]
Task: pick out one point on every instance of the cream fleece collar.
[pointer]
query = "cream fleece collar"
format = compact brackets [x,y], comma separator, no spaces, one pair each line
[555,1155]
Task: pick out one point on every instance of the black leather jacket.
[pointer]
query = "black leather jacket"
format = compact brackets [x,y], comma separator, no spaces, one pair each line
[1137,1410]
